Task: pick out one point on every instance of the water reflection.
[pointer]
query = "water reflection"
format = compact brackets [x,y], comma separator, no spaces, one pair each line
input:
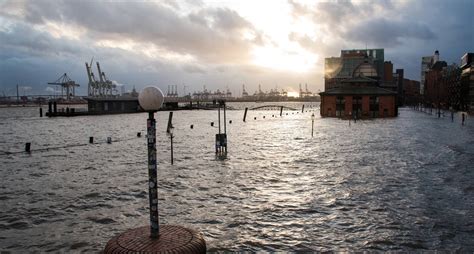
[387,184]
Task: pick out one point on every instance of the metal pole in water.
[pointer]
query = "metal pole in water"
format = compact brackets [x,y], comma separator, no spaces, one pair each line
[225,119]
[219,117]
[169,130]
[245,113]
[152,176]
[172,159]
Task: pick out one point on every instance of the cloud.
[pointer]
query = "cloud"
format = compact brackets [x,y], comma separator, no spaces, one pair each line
[214,35]
[386,33]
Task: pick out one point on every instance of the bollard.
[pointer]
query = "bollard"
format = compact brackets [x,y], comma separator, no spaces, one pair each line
[41,112]
[212,124]
[139,134]
[27,147]
[91,140]
[245,113]
[109,140]
[192,126]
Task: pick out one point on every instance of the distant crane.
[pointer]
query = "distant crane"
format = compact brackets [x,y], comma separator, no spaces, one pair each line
[102,88]
[67,84]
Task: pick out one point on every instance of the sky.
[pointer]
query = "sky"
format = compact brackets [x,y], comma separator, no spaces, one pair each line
[219,44]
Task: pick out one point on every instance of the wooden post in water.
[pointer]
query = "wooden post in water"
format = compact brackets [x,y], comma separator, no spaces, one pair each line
[28,147]
[302,109]
[41,112]
[50,108]
[281,110]
[55,107]
[245,113]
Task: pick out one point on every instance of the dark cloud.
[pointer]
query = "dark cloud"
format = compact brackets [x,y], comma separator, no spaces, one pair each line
[386,33]
[211,35]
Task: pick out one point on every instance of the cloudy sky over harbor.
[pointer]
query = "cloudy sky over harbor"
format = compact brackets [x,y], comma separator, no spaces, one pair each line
[220,44]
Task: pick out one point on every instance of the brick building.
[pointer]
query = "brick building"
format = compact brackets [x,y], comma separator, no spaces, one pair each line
[435,93]
[359,96]
[411,92]
[467,81]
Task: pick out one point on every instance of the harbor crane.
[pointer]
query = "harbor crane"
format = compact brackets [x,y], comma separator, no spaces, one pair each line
[67,84]
[102,87]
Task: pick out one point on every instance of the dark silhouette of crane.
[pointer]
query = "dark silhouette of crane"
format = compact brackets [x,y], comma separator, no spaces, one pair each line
[67,84]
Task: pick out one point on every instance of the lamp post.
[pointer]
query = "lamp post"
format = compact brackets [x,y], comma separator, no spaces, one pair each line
[153,238]
[151,99]
[312,124]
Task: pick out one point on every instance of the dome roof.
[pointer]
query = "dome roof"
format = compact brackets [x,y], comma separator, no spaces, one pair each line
[365,69]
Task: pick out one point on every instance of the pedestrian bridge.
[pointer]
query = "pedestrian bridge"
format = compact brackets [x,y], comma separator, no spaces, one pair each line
[273,107]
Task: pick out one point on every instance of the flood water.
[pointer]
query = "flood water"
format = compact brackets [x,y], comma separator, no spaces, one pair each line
[402,184]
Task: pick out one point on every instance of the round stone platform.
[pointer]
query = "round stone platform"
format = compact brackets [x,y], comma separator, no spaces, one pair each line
[173,239]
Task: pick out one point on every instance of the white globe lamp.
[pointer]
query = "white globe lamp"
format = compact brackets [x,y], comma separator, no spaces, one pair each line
[151,98]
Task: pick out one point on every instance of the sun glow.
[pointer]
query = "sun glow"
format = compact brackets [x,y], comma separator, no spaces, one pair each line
[293,94]
[278,59]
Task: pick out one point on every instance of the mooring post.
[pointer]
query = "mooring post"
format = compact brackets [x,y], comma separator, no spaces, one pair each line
[91,140]
[28,147]
[302,109]
[281,110]
[41,112]
[245,113]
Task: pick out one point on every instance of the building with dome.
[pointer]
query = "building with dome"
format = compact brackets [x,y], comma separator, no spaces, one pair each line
[355,86]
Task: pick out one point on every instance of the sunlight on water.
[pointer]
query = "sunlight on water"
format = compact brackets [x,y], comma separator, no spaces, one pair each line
[388,184]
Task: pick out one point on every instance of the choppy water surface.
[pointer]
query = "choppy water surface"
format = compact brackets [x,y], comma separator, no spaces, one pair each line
[405,183]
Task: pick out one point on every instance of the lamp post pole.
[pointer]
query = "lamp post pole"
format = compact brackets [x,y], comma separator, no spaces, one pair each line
[151,99]
[152,176]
